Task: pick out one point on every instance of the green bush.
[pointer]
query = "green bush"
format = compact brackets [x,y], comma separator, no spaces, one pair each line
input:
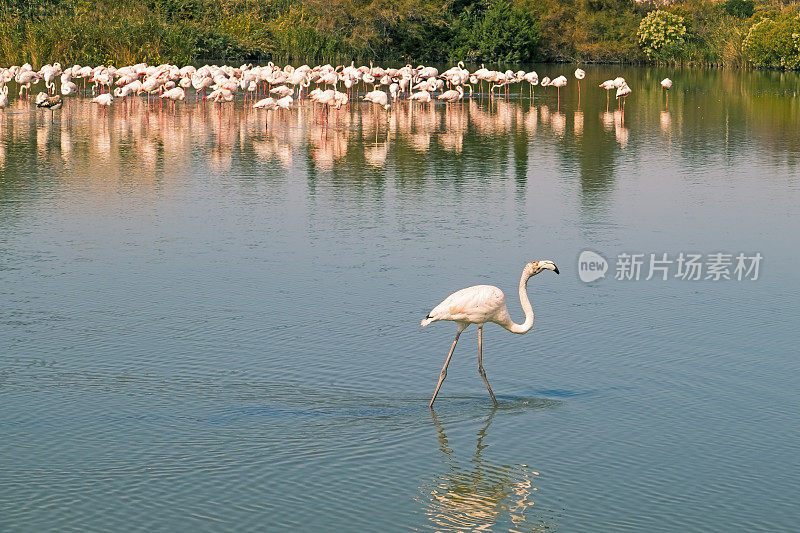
[662,35]
[740,8]
[774,43]
[501,33]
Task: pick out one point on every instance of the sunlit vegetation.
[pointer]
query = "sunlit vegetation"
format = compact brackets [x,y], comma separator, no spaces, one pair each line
[731,32]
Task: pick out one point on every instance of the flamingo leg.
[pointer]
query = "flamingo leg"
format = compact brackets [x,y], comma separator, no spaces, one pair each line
[481,371]
[443,373]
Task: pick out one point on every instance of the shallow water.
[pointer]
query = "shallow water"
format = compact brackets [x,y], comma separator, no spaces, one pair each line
[213,324]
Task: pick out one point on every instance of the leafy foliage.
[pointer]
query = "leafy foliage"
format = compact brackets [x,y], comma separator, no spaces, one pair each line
[496,32]
[730,32]
[662,35]
[740,8]
[774,43]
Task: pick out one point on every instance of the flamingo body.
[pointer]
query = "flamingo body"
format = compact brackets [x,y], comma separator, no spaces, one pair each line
[480,304]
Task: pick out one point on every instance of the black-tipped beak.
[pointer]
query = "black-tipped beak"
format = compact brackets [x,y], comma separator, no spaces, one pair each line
[555,269]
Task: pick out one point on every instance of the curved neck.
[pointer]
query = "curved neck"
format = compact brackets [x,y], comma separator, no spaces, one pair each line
[526,307]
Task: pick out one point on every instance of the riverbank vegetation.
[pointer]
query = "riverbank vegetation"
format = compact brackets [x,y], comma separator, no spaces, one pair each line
[736,33]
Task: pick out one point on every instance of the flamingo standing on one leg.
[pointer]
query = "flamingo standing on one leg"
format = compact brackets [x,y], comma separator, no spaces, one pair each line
[481,304]
[666,83]
[609,86]
[579,75]
[622,93]
[558,83]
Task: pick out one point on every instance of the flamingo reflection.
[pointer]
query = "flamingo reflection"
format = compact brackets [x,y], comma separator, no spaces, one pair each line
[476,494]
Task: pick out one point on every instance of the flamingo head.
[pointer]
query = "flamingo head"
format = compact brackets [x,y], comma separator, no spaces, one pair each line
[534,267]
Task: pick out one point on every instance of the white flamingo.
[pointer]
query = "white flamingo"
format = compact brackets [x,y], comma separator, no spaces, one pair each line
[609,86]
[533,80]
[69,88]
[666,84]
[452,95]
[623,93]
[422,96]
[266,103]
[103,100]
[481,304]
[378,97]
[579,75]
[558,83]
[174,94]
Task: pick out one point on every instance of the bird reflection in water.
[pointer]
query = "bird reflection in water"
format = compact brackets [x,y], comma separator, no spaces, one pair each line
[475,494]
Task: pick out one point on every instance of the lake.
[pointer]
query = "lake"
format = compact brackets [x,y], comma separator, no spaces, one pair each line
[211,314]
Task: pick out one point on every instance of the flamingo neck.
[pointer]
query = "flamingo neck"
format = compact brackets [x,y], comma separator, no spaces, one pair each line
[526,307]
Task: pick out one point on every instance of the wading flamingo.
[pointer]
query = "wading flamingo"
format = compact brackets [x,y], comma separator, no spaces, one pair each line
[49,102]
[481,304]
[623,93]
[608,85]
[666,83]
[579,75]
[558,83]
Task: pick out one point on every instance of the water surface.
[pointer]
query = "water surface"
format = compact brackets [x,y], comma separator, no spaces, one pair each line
[210,323]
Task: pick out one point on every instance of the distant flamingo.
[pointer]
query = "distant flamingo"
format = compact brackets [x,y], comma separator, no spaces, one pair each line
[623,93]
[579,75]
[422,96]
[104,100]
[481,304]
[49,102]
[558,83]
[609,86]
[378,97]
[533,80]
[666,83]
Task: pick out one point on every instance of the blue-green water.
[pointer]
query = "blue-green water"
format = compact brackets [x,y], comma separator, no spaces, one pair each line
[211,325]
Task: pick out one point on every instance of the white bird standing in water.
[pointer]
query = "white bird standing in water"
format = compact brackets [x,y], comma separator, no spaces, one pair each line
[579,75]
[481,304]
[666,84]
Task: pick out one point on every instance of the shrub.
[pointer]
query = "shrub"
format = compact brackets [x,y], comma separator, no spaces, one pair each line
[774,43]
[740,8]
[662,35]
[501,33]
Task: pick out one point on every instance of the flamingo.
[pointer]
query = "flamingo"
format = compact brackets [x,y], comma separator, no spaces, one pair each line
[104,100]
[281,91]
[558,83]
[378,97]
[533,79]
[481,304]
[422,96]
[4,97]
[666,83]
[579,75]
[623,92]
[68,88]
[608,85]
[176,93]
[25,78]
[452,95]
[285,102]
[49,102]
[266,103]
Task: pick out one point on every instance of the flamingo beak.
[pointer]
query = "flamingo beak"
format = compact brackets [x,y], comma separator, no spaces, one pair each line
[555,269]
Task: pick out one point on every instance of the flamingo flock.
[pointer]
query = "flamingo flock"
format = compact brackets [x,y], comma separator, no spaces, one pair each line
[270,87]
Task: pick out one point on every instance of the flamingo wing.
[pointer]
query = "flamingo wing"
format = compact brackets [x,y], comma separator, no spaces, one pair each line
[474,305]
